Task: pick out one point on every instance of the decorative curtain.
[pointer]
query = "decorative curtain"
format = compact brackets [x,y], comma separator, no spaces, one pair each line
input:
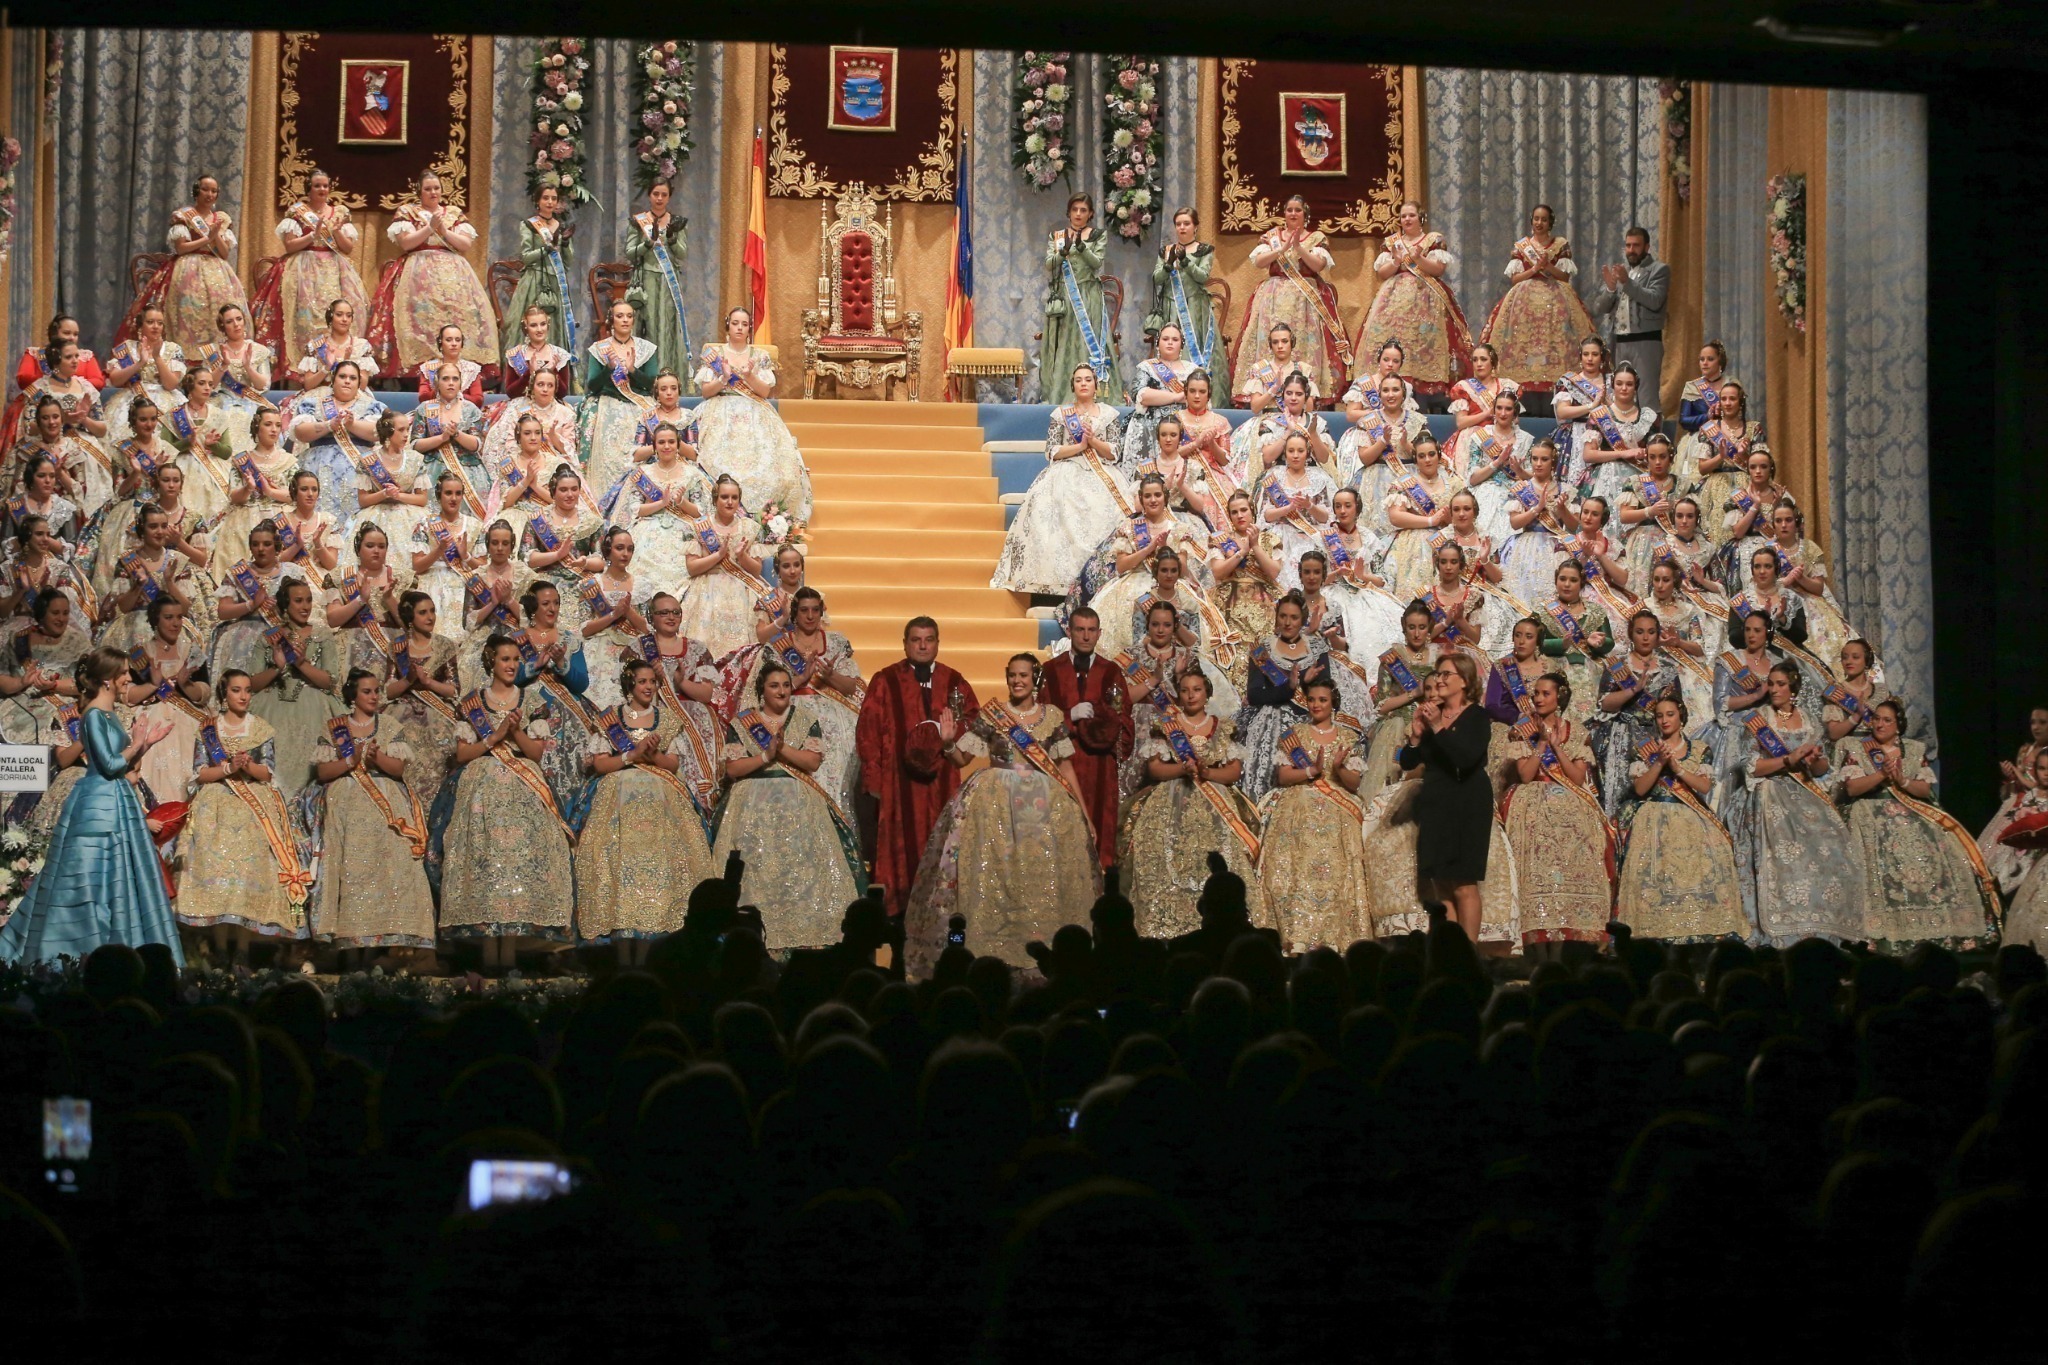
[1012,219]
[1502,142]
[608,169]
[1877,377]
[23,327]
[1736,265]
[142,114]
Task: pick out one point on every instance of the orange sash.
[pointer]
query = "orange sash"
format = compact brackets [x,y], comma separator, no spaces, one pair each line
[1001,715]
[1170,721]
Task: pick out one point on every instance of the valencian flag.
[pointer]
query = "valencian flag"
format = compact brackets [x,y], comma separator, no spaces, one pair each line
[960,279]
[756,257]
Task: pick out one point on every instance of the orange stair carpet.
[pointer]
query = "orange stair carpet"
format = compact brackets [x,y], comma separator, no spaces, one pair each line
[905,523]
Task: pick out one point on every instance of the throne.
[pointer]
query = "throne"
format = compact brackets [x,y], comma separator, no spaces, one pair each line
[855,337]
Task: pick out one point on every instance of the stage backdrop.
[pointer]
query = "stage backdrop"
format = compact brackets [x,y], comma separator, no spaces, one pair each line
[1329,132]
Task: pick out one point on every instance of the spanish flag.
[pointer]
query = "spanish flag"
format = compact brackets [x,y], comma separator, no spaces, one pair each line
[960,279]
[756,256]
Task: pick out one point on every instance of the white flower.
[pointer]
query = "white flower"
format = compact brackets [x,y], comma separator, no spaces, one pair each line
[568,181]
[1035,143]
[1145,91]
[654,71]
[1123,210]
[13,837]
[36,864]
[1122,138]
[673,140]
[542,125]
[1142,198]
[668,106]
[573,101]
[1056,93]
[561,130]
[551,178]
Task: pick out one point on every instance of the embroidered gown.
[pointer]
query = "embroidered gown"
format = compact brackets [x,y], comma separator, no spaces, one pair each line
[1071,507]
[372,890]
[1180,295]
[1312,855]
[718,607]
[663,543]
[1141,427]
[642,847]
[617,392]
[1419,312]
[1012,851]
[329,458]
[1305,301]
[426,289]
[242,864]
[193,288]
[101,882]
[803,858]
[506,866]
[1538,323]
[1563,857]
[1923,882]
[290,310]
[1803,875]
[741,435]
[1170,828]
[1678,877]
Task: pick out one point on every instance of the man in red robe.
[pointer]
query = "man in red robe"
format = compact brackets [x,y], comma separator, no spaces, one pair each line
[914,711]
[1089,691]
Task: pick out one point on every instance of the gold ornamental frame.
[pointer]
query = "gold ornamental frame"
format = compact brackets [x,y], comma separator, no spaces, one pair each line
[341,136]
[793,175]
[832,94]
[1336,98]
[294,165]
[1243,209]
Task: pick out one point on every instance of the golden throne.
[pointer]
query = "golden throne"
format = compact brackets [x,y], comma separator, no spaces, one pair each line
[855,337]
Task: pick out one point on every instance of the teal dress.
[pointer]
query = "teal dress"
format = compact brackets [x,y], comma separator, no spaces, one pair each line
[101,882]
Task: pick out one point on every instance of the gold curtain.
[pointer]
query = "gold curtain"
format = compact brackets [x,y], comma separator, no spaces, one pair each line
[1685,251]
[1795,362]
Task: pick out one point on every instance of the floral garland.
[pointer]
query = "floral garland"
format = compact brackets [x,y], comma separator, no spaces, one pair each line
[10,157]
[664,75]
[53,81]
[1038,141]
[1132,142]
[1788,245]
[557,140]
[1677,98]
[21,853]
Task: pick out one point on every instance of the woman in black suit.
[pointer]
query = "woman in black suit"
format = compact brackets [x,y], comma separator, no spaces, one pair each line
[1448,737]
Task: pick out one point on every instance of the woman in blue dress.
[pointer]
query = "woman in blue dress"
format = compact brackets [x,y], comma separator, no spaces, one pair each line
[333,427]
[101,882]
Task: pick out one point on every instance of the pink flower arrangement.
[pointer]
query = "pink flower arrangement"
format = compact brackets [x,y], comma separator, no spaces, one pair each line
[664,78]
[1131,143]
[559,72]
[1677,100]
[10,157]
[1037,132]
[1787,218]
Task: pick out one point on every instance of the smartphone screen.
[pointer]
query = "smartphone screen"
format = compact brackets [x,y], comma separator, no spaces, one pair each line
[67,1142]
[516,1182]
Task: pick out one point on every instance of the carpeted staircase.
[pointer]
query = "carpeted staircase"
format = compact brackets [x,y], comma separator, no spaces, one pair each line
[906,523]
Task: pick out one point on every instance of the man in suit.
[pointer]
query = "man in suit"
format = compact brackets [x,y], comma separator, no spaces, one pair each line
[913,712]
[1630,303]
[1089,691]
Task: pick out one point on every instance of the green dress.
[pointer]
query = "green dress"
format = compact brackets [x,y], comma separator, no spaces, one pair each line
[543,247]
[656,293]
[1066,341]
[1180,295]
[608,419]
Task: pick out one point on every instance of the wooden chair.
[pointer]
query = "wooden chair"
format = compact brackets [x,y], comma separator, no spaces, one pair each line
[856,337]
[1219,307]
[609,281]
[499,282]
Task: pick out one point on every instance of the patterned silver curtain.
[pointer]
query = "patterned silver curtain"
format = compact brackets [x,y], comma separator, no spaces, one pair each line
[1013,218]
[142,114]
[600,226]
[23,328]
[1501,142]
[1735,281]
[1877,378]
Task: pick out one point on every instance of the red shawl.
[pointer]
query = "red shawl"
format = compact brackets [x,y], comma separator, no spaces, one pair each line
[903,767]
[1101,742]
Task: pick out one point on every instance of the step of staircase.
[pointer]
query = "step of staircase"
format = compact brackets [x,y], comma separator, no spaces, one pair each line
[854,435]
[844,410]
[975,492]
[910,463]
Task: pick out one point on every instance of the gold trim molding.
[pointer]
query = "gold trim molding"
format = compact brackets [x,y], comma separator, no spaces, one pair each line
[294,165]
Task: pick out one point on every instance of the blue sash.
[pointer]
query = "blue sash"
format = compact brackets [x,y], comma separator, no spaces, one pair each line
[1397,668]
[1573,631]
[1269,668]
[785,648]
[1440,618]
[595,599]
[1851,706]
[615,733]
[138,662]
[343,738]
[209,744]
[528,654]
[1098,355]
[480,593]
[749,721]
[68,717]
[279,637]
[668,271]
[1333,543]
[1512,681]
[140,577]
[1198,351]
[561,272]
[544,534]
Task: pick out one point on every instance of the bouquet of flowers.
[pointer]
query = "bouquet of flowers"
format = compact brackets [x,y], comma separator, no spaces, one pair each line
[1788,246]
[778,527]
[1132,142]
[1677,100]
[559,70]
[21,857]
[1038,136]
[10,157]
[664,76]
